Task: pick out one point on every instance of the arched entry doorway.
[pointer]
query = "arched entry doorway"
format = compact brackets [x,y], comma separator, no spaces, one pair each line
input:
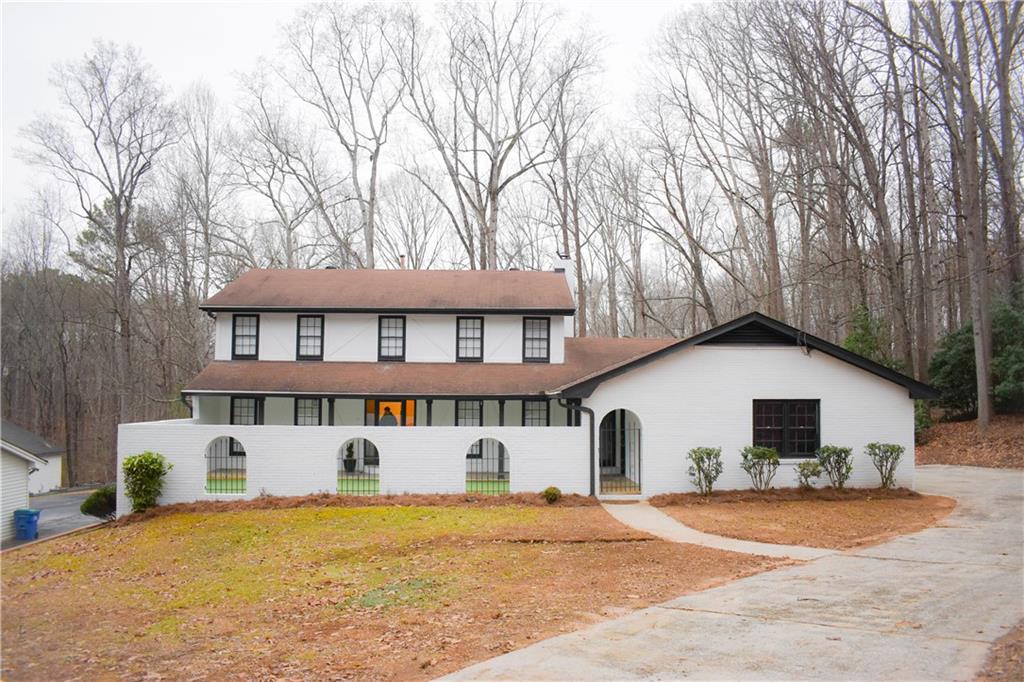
[225,466]
[619,452]
[358,468]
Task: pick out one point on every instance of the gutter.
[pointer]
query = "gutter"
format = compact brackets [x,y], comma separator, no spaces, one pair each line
[590,415]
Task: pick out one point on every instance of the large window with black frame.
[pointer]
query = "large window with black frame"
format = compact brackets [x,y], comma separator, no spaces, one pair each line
[391,338]
[245,337]
[536,412]
[536,339]
[310,338]
[308,411]
[789,426]
[469,339]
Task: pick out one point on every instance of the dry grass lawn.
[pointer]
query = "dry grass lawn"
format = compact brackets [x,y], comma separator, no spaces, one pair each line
[829,519]
[381,592]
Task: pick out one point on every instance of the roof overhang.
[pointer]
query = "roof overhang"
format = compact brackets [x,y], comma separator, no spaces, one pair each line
[23,454]
[585,387]
[546,312]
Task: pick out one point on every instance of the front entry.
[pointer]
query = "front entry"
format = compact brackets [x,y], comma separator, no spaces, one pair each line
[390,412]
[619,451]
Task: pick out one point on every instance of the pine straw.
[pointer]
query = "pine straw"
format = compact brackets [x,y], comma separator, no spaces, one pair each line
[1006,658]
[332,500]
[783,495]
[959,443]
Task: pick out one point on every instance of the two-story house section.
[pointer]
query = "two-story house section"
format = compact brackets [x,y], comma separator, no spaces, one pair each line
[436,381]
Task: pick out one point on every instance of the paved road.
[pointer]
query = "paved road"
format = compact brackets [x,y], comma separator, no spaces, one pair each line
[922,606]
[60,513]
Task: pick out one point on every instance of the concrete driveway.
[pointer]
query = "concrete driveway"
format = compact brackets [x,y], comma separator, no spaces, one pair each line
[925,606]
[60,514]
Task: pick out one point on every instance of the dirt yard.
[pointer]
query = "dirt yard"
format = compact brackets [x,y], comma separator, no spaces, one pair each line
[1006,658]
[382,592]
[959,443]
[832,519]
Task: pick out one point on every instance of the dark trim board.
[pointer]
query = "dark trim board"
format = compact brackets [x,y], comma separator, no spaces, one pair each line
[553,312]
[584,388]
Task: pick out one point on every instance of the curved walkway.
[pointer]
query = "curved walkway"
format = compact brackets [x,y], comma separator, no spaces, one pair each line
[921,606]
[643,516]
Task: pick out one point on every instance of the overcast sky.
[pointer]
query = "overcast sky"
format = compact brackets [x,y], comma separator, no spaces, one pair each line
[213,42]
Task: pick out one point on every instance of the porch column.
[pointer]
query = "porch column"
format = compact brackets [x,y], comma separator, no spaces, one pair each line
[430,412]
[330,411]
[501,413]
[501,444]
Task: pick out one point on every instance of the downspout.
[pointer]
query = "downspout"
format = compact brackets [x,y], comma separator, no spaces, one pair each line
[590,415]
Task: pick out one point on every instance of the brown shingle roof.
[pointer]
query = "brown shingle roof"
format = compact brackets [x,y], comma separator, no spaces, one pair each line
[397,290]
[584,357]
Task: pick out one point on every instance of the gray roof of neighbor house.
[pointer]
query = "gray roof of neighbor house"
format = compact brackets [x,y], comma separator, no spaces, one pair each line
[381,291]
[23,439]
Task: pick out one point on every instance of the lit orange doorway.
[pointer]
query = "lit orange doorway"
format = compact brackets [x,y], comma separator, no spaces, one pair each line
[404,411]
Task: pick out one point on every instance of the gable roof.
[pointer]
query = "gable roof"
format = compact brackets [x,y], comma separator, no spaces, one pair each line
[583,357]
[759,330]
[13,435]
[382,291]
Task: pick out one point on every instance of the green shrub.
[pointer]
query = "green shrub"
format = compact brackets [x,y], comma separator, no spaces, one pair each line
[836,463]
[951,370]
[760,463]
[922,419]
[552,494]
[144,479]
[805,471]
[102,503]
[885,456]
[705,467]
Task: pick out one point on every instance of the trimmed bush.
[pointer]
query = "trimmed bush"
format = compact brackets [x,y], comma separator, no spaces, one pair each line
[552,494]
[144,479]
[705,467]
[886,457]
[836,463]
[805,471]
[760,463]
[102,503]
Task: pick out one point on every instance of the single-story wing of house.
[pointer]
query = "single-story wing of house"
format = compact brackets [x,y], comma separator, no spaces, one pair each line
[45,478]
[405,381]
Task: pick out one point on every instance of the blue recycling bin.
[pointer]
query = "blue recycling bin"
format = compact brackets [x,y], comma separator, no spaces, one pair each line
[26,523]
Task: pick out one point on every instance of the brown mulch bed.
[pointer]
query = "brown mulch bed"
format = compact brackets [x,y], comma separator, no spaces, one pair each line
[375,593]
[332,500]
[827,518]
[1006,658]
[1002,445]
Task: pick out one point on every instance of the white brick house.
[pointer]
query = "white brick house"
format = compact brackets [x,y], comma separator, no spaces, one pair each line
[372,381]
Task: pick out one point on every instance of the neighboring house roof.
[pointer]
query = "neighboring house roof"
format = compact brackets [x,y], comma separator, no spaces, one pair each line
[383,291]
[13,435]
[752,329]
[583,357]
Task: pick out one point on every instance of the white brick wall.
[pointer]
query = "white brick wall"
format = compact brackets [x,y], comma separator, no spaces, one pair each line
[702,396]
[298,460]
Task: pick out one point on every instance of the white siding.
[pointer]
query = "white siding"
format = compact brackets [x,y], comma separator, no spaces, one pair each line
[297,460]
[13,490]
[428,338]
[47,477]
[702,396]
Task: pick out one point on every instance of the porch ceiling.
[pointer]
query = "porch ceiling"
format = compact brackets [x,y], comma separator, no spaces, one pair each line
[583,357]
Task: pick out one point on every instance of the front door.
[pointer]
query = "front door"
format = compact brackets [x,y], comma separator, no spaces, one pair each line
[391,412]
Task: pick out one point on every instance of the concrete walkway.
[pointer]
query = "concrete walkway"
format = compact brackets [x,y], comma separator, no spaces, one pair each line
[925,606]
[643,516]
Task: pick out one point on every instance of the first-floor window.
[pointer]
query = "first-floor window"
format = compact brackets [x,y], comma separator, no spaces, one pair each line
[789,426]
[470,413]
[245,412]
[535,413]
[307,412]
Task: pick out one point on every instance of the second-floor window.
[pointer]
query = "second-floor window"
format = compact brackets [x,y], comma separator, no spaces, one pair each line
[469,341]
[310,344]
[536,339]
[245,337]
[391,341]
[307,411]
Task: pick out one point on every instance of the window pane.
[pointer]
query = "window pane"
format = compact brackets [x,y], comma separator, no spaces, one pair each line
[803,428]
[243,411]
[245,331]
[470,339]
[310,336]
[392,337]
[768,423]
[535,413]
[535,338]
[307,412]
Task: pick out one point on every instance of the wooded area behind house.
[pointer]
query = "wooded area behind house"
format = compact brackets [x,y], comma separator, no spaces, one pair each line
[817,161]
